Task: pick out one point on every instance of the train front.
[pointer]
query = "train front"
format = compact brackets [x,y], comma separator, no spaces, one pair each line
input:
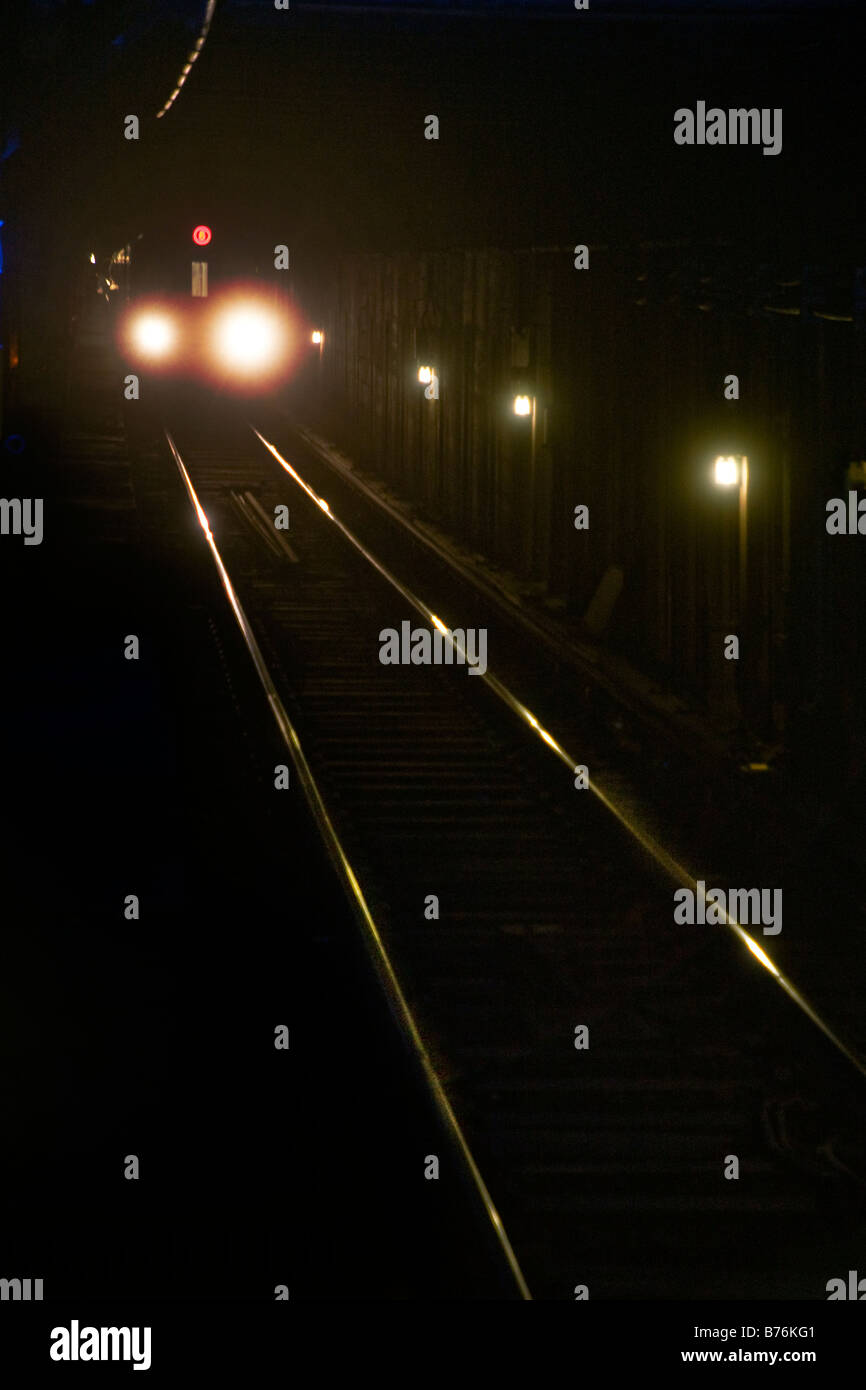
[200,311]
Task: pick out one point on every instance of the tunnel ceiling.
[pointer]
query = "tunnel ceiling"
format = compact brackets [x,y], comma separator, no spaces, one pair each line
[308,124]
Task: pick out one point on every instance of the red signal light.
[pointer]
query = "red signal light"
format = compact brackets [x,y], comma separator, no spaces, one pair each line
[202,235]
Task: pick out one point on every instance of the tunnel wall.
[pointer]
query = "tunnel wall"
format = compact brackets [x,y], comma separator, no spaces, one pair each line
[627,360]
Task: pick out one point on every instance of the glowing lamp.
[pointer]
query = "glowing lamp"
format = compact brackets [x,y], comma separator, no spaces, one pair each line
[726,470]
[249,339]
[153,335]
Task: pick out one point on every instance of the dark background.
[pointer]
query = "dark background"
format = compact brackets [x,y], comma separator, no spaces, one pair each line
[303,127]
[306,126]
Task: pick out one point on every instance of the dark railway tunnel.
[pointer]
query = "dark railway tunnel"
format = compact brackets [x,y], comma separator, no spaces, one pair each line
[549,379]
[628,371]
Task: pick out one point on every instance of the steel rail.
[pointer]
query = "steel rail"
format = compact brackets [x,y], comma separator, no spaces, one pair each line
[372,935]
[675,870]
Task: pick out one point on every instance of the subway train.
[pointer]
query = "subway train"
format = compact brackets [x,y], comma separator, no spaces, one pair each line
[196,302]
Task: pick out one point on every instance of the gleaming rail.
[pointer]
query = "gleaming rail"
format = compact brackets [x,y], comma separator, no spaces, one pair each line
[552,920]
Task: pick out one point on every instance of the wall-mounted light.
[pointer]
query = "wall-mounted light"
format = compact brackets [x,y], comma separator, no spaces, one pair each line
[317,336]
[425,374]
[522,405]
[727,469]
[732,470]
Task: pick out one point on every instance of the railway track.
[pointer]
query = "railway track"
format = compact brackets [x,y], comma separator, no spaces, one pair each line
[609,1152]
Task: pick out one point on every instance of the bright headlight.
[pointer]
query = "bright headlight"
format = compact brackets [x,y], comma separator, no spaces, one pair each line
[249,339]
[154,335]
